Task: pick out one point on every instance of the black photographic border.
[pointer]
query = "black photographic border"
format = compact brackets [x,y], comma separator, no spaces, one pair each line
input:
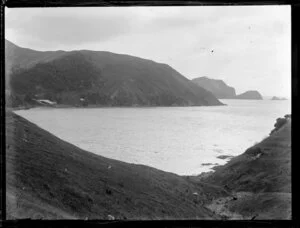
[295,27]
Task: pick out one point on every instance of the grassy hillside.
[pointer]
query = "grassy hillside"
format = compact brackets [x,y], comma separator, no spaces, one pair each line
[259,179]
[101,78]
[50,178]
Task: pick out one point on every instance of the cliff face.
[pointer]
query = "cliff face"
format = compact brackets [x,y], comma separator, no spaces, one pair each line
[250,95]
[222,91]
[218,87]
[99,77]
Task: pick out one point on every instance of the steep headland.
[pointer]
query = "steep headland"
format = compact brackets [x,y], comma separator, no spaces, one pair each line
[97,78]
[222,91]
[218,87]
[250,95]
[51,179]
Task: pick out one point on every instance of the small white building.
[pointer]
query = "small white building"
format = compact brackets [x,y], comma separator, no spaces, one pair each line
[46,102]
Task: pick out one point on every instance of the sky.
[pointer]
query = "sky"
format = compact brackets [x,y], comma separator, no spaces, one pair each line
[249,47]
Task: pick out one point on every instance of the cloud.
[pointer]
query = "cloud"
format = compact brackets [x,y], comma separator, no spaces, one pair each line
[54,27]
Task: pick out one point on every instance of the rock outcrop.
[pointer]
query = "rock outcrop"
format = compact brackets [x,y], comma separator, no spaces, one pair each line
[278,98]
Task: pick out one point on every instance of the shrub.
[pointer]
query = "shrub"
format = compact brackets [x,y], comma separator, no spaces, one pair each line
[108,191]
[279,123]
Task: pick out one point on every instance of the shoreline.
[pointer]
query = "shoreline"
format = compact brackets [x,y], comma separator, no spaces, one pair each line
[204,173]
[60,106]
[210,170]
[91,106]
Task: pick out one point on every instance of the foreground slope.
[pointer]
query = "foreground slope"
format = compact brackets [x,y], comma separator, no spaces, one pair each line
[98,77]
[50,178]
[259,179]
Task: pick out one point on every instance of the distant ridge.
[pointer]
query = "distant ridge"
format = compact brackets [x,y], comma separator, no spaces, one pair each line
[222,91]
[218,87]
[100,78]
[250,95]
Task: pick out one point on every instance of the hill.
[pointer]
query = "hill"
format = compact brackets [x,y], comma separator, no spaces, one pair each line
[259,179]
[98,77]
[218,87]
[17,57]
[250,95]
[51,179]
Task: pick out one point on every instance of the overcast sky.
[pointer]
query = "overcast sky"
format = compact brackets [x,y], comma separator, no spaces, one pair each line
[248,47]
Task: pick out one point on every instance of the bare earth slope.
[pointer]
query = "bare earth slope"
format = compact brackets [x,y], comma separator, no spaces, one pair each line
[52,179]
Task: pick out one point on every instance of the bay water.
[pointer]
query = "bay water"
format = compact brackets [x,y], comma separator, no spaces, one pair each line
[182,140]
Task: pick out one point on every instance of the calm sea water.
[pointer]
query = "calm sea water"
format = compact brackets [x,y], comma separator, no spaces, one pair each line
[174,139]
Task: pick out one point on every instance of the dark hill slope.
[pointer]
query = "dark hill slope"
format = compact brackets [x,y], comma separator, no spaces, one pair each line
[25,57]
[50,178]
[148,80]
[218,87]
[17,57]
[100,78]
[70,73]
